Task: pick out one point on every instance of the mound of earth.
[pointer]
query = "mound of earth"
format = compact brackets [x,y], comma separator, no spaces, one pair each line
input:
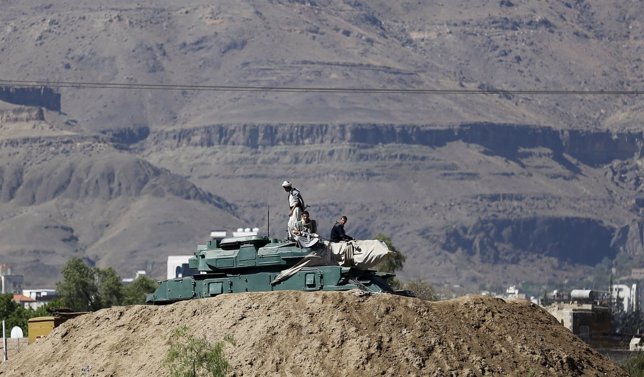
[322,333]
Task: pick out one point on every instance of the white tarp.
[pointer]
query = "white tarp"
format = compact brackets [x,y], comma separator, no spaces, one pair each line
[361,254]
[321,256]
[366,253]
[307,239]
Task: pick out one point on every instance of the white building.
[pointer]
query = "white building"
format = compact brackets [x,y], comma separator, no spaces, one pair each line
[625,297]
[9,283]
[136,276]
[41,297]
[176,266]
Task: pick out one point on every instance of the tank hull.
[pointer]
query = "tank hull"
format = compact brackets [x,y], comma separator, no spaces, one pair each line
[321,278]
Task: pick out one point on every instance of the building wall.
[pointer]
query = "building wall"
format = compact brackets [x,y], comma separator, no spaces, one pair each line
[589,322]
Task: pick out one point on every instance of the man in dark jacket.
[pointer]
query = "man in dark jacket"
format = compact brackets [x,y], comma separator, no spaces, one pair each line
[337,232]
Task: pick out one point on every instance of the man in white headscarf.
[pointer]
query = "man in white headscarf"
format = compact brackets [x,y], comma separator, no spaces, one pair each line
[295,204]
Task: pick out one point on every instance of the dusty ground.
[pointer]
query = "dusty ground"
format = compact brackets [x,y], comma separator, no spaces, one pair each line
[323,333]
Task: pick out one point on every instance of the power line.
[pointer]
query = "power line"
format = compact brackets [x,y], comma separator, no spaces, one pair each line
[286,89]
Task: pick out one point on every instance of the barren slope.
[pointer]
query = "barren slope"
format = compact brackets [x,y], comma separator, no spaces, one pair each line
[517,45]
[64,195]
[322,333]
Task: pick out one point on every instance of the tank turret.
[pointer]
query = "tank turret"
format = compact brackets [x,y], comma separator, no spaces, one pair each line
[254,263]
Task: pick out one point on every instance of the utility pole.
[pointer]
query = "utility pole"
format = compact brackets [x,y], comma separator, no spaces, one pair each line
[4,342]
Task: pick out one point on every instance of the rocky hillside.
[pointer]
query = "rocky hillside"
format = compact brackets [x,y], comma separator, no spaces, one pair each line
[66,195]
[505,45]
[479,137]
[470,204]
[321,333]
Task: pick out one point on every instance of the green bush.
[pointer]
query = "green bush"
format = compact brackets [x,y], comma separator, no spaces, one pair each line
[189,356]
[86,288]
[634,366]
[422,290]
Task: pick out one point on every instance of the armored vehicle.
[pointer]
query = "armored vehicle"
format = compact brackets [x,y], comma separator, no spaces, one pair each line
[254,263]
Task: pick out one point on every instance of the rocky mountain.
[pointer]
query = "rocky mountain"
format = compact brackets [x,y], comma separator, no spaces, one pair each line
[496,143]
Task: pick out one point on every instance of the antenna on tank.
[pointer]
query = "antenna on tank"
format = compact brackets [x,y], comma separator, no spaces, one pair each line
[268,221]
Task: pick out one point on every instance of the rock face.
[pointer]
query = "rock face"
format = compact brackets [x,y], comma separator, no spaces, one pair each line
[499,240]
[322,333]
[37,97]
[512,141]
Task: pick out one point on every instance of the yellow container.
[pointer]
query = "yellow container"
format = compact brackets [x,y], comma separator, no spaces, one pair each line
[41,326]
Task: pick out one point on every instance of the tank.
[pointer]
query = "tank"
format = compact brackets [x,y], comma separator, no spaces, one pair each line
[254,263]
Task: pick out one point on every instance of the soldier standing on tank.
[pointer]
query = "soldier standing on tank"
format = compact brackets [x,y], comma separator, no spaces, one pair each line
[295,204]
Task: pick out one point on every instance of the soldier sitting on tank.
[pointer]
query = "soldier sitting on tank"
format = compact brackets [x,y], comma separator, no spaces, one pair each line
[337,232]
[305,231]
[305,225]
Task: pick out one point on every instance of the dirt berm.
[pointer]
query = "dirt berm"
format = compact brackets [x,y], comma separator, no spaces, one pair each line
[322,334]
